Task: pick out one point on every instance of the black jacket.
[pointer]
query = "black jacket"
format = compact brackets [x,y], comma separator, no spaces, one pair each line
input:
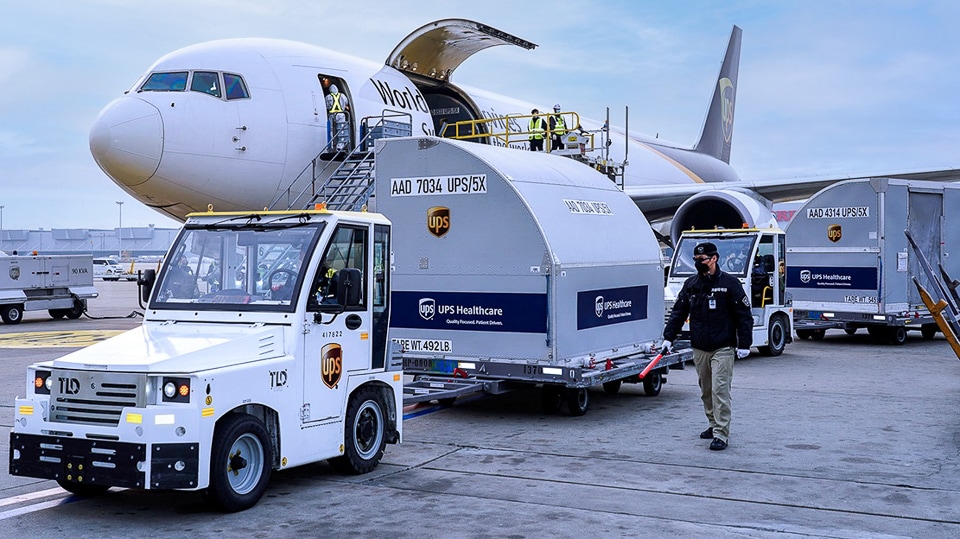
[730,323]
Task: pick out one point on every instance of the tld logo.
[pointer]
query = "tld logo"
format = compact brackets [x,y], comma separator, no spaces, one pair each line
[69,386]
[438,220]
[428,307]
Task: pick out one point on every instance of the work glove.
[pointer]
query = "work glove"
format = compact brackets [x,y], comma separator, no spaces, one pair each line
[742,353]
[666,348]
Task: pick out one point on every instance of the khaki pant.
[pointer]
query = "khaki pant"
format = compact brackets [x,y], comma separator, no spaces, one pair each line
[715,374]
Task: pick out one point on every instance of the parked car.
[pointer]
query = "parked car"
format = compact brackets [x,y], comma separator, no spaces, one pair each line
[109,269]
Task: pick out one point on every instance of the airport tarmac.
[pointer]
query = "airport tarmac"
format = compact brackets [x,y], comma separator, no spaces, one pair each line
[839,438]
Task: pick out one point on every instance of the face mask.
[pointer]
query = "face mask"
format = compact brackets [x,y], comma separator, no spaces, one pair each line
[701,267]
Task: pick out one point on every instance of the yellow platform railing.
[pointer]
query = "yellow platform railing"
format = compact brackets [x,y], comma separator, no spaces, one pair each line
[513,129]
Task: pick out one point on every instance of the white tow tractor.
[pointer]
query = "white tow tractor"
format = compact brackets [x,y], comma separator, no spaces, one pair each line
[755,256]
[264,346]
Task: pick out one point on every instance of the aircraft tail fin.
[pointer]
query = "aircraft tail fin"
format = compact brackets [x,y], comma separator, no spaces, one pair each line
[717,132]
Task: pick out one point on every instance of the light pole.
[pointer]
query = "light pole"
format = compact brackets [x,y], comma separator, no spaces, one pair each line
[120,232]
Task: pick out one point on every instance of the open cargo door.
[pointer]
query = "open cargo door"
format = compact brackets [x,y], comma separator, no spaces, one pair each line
[436,49]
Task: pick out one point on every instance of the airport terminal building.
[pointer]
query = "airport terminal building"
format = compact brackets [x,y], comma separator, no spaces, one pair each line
[127,242]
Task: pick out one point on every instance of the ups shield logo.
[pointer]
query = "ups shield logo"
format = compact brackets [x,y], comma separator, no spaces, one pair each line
[331,364]
[438,220]
[834,233]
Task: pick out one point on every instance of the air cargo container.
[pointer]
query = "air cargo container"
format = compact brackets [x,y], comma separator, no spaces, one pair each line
[848,262]
[513,267]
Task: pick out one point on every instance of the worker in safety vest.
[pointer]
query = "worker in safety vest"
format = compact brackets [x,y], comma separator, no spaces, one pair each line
[338,109]
[538,129]
[557,129]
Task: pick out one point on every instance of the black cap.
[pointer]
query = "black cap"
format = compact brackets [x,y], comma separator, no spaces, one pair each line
[534,111]
[707,249]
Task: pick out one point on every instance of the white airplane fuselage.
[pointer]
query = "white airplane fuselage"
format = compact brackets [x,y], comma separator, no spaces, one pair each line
[181,150]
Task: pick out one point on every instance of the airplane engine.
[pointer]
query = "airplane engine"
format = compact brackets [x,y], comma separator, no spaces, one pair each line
[726,208]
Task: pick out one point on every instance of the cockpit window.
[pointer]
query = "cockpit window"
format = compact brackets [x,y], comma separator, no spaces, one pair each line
[207,82]
[236,89]
[165,82]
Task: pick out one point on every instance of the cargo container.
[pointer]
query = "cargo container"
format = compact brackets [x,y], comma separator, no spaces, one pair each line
[848,262]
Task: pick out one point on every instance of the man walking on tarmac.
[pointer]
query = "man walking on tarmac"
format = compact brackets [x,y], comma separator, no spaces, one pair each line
[721,326]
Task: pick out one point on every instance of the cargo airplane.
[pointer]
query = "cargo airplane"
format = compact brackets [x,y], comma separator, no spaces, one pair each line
[235,123]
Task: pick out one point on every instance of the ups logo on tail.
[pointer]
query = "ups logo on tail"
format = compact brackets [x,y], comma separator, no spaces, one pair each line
[438,220]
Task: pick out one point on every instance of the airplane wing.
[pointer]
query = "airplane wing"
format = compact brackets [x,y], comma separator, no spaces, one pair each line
[661,201]
[436,49]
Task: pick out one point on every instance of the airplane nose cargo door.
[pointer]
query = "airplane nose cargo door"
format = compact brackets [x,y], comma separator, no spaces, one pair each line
[504,257]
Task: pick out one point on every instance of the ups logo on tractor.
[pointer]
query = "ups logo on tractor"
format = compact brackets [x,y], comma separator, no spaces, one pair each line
[438,220]
[834,233]
[331,364]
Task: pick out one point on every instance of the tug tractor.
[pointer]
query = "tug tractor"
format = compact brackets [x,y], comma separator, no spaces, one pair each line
[755,256]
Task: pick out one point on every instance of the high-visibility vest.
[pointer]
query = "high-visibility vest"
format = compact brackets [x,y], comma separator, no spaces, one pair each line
[536,128]
[559,128]
[336,107]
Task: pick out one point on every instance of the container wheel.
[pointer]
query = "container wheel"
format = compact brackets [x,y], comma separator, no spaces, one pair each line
[928,331]
[652,383]
[804,333]
[850,331]
[876,331]
[612,387]
[76,311]
[578,400]
[57,314]
[817,334]
[550,398]
[364,433]
[776,337]
[448,402]
[11,314]
[240,462]
[897,335]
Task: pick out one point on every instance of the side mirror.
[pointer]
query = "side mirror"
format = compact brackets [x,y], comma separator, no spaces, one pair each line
[347,286]
[145,280]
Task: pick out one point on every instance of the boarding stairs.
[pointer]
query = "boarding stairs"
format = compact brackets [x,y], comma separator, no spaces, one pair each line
[351,182]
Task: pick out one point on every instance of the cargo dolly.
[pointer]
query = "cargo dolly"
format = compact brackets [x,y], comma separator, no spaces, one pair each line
[444,380]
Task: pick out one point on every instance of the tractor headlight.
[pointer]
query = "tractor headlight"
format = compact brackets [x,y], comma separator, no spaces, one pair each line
[176,389]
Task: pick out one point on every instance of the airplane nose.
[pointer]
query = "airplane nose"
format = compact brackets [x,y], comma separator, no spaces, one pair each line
[126,140]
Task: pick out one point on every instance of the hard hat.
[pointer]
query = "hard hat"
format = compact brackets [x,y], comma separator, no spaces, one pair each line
[556,107]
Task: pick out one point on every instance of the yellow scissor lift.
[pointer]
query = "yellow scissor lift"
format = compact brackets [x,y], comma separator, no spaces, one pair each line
[511,131]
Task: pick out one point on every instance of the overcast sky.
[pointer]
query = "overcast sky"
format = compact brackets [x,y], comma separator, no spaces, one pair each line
[826,87]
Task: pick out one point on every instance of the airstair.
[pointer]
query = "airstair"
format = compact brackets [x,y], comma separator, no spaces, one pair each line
[350,183]
[345,180]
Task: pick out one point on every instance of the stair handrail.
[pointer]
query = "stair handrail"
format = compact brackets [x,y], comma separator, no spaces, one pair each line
[360,148]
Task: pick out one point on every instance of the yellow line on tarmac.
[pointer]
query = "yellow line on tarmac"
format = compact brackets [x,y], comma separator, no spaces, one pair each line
[56,339]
